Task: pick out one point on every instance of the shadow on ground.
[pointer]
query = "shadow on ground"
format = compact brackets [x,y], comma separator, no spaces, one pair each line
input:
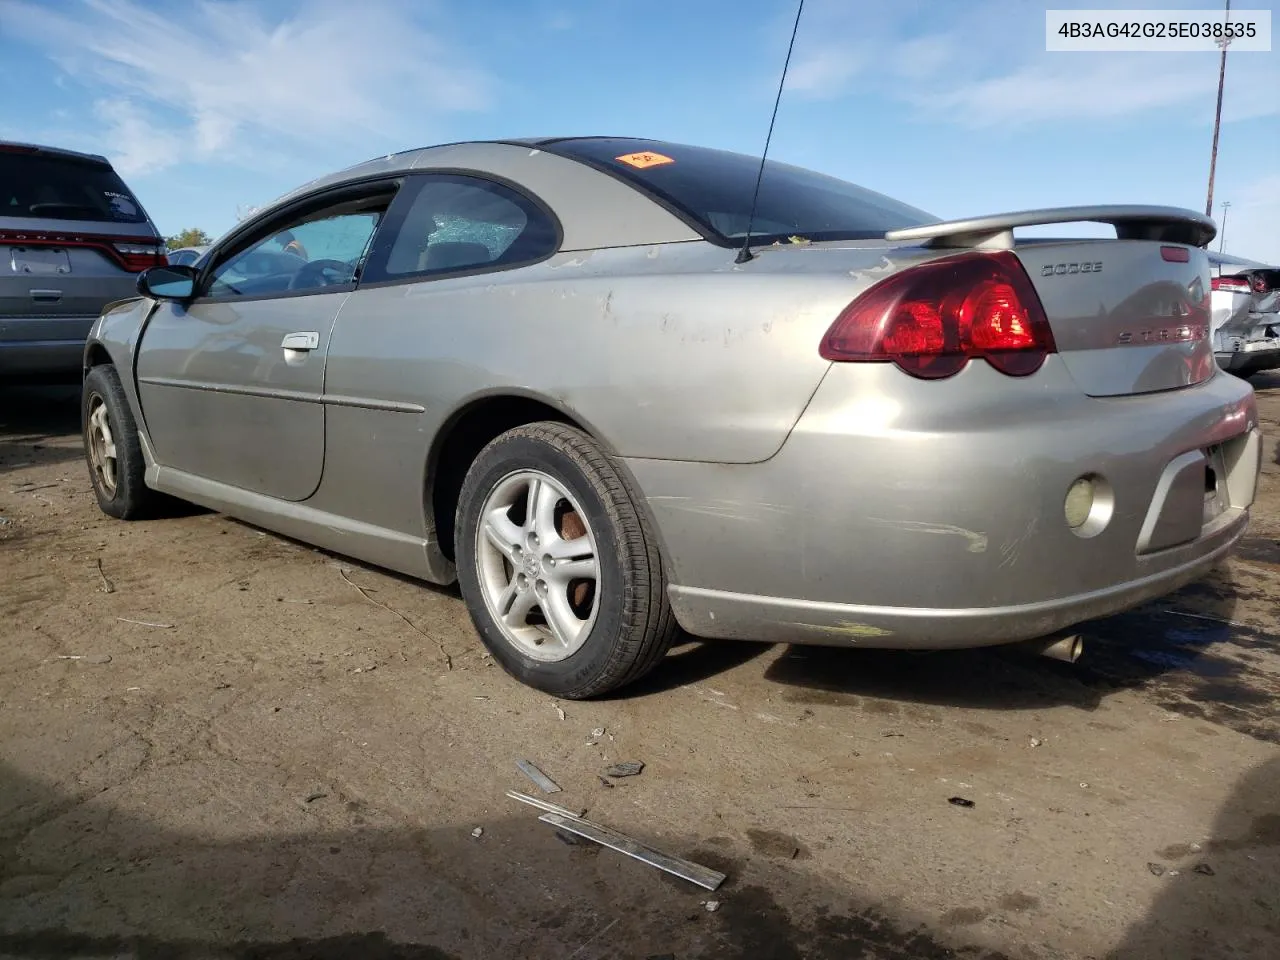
[1186,651]
[83,877]
[1219,895]
[33,418]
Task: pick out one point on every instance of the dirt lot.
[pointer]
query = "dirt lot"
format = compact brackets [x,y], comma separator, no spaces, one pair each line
[271,764]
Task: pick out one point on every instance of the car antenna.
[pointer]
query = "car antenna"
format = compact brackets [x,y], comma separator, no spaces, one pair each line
[745,253]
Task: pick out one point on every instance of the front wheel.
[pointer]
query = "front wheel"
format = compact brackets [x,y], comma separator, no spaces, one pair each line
[559,568]
[112,447]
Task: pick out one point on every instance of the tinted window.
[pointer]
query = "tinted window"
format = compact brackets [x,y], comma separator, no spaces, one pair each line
[314,252]
[714,189]
[61,188]
[448,224]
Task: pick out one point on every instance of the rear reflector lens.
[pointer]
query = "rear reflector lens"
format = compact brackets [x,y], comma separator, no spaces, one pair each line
[1175,254]
[1230,284]
[932,319]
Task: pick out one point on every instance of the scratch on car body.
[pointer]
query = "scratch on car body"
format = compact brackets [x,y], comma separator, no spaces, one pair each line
[977,540]
[1010,549]
[748,510]
[847,628]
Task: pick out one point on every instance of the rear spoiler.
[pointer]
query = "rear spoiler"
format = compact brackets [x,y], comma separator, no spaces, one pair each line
[1164,224]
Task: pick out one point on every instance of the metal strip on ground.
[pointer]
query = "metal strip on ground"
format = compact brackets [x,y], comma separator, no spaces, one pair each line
[540,779]
[541,804]
[704,877]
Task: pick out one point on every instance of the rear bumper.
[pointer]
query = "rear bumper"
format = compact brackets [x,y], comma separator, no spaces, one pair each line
[42,346]
[719,614]
[898,514]
[1258,349]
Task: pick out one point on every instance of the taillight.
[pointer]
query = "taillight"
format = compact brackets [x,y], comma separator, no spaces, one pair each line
[1230,284]
[933,319]
[137,257]
[134,257]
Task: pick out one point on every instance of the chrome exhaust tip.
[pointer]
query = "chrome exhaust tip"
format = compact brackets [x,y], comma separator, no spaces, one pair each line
[1065,648]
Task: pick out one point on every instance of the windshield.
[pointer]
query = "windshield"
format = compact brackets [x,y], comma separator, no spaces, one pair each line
[714,189]
[50,187]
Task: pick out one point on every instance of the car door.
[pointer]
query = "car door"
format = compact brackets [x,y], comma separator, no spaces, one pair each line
[231,383]
[409,335]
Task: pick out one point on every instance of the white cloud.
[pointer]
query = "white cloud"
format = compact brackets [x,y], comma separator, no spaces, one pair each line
[984,64]
[135,143]
[825,72]
[1253,220]
[222,81]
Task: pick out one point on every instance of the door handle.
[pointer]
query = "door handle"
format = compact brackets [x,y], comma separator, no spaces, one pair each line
[46,296]
[301,341]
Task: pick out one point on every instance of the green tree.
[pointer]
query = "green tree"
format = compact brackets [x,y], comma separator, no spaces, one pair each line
[190,237]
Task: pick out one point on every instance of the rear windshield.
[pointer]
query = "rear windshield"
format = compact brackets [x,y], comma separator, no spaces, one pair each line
[713,188]
[62,188]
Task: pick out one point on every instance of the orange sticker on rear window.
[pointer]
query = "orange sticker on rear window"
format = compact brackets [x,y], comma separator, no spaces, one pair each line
[642,160]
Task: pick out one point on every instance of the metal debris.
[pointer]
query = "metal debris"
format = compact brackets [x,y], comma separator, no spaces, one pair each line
[313,797]
[559,713]
[97,659]
[1036,741]
[961,802]
[478,832]
[598,732]
[695,873]
[628,768]
[541,804]
[146,623]
[540,779]
[712,905]
[1203,869]
[107,585]
[605,781]
[1157,870]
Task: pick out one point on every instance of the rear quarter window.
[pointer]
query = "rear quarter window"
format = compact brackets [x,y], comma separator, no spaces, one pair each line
[453,223]
[44,187]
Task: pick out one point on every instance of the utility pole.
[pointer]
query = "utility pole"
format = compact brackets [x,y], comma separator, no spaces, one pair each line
[1217,117]
[1222,234]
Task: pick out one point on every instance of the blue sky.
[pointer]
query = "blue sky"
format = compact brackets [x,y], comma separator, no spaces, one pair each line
[209,106]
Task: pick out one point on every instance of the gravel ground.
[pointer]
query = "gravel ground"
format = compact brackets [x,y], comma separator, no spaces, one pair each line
[213,745]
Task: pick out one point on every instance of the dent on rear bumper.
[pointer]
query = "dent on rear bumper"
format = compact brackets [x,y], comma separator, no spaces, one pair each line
[889,520]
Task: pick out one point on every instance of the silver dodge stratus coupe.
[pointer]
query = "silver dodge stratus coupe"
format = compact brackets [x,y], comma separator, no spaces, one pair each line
[614,392]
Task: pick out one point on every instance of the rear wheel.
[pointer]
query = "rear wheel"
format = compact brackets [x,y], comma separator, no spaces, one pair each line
[112,447]
[558,567]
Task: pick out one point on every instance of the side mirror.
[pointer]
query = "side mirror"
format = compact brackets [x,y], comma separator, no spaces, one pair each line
[172,282]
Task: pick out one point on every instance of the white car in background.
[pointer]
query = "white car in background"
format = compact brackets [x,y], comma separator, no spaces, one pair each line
[186,256]
[1245,320]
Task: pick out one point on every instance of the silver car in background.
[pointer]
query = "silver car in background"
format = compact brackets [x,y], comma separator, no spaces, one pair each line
[592,382]
[72,239]
[186,256]
[1246,314]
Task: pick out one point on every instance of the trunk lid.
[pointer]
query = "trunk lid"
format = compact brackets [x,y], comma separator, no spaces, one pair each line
[1127,316]
[1130,315]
